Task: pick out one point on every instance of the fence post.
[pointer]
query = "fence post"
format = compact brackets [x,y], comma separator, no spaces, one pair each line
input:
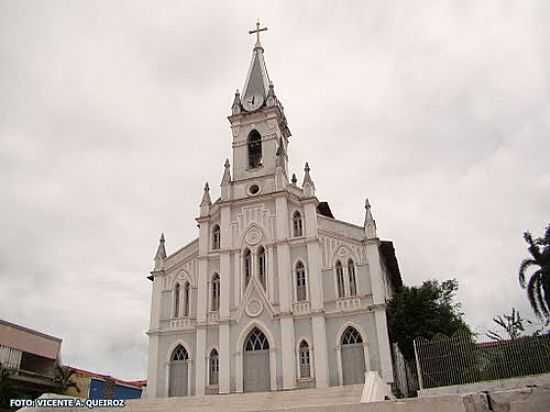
[418,368]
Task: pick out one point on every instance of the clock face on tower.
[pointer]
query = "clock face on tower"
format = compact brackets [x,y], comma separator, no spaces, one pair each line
[253,102]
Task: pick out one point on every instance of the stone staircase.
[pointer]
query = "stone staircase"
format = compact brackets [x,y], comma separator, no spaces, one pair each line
[251,402]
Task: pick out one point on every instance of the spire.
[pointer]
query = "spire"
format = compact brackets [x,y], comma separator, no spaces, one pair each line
[257,81]
[370,223]
[206,196]
[271,99]
[161,254]
[226,179]
[236,107]
[294,179]
[205,202]
[308,185]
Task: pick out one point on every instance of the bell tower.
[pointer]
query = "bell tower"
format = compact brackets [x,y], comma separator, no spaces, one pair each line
[259,128]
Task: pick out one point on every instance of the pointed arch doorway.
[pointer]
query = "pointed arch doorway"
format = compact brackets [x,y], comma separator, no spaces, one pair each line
[178,376]
[353,357]
[256,371]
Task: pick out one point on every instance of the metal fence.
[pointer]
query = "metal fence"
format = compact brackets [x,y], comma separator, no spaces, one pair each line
[458,360]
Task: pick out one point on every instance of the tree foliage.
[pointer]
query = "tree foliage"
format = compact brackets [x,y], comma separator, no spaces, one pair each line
[538,286]
[513,325]
[424,311]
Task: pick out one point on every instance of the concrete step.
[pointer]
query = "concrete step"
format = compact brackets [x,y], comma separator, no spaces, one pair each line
[249,402]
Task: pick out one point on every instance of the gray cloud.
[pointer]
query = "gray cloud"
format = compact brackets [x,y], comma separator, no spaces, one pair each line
[112,116]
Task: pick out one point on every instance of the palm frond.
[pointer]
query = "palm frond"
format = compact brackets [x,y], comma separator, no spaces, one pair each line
[522,268]
[545,281]
[540,297]
[531,286]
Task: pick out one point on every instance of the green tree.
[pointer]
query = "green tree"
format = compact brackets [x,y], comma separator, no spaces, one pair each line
[424,311]
[538,286]
[513,325]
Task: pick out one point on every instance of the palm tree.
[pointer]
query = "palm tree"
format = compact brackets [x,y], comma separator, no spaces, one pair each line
[538,287]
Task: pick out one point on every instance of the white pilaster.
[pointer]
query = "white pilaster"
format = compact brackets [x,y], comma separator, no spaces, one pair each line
[287,351]
[152,390]
[200,361]
[270,275]
[225,289]
[283,254]
[379,298]
[225,358]
[321,351]
[239,372]
[154,324]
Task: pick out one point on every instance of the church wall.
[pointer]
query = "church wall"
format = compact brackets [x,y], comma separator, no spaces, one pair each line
[329,291]
[364,286]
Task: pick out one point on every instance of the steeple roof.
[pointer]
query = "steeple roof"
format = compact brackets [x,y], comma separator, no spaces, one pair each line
[161,250]
[257,80]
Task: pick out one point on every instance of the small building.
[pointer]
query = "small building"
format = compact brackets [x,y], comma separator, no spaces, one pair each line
[29,359]
[92,385]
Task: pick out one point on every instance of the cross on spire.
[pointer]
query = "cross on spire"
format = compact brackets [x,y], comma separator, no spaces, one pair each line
[257,31]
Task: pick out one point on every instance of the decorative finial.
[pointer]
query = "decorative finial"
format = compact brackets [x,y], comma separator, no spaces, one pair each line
[294,179]
[206,196]
[271,98]
[226,179]
[308,185]
[161,253]
[370,223]
[236,106]
[367,203]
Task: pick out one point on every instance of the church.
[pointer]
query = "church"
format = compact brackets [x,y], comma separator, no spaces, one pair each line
[275,293]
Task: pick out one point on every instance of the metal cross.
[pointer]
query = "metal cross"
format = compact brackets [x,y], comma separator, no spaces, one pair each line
[257,31]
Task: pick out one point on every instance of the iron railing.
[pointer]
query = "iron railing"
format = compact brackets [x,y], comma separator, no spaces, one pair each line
[459,360]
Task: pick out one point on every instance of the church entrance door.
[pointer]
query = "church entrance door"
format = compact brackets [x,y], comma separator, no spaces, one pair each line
[257,374]
[178,372]
[353,357]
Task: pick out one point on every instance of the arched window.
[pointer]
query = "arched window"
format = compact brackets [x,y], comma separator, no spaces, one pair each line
[214,367]
[177,300]
[304,360]
[247,267]
[256,340]
[301,286]
[186,290]
[340,279]
[351,336]
[261,266]
[297,224]
[180,354]
[215,305]
[254,149]
[352,281]
[216,237]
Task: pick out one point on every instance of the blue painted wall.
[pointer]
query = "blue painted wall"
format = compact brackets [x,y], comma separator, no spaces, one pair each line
[120,392]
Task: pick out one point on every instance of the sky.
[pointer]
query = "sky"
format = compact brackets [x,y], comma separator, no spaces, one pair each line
[114,114]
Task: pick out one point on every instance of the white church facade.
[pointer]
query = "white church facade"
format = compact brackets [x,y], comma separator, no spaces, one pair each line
[275,293]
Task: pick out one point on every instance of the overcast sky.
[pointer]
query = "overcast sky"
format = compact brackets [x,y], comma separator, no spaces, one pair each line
[113,115]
